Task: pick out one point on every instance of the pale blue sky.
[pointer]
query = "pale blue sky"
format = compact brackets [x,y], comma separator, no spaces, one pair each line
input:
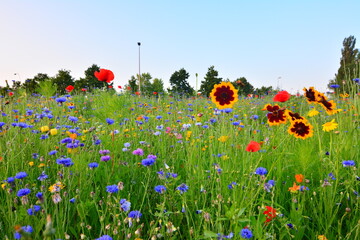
[299,41]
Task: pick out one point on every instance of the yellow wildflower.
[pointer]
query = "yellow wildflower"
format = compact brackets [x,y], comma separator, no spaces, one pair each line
[223,138]
[53,131]
[329,126]
[31,164]
[44,129]
[313,112]
[322,237]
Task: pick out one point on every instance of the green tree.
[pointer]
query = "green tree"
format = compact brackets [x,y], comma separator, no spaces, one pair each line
[211,78]
[243,86]
[179,84]
[158,85]
[264,90]
[146,84]
[62,80]
[348,66]
[32,84]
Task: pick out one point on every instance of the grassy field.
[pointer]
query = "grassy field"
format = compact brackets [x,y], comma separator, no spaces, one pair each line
[107,165]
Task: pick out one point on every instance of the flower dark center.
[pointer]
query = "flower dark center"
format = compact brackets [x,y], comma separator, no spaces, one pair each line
[224,95]
[300,129]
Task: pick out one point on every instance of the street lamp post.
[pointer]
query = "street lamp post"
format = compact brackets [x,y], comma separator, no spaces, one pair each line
[139,44]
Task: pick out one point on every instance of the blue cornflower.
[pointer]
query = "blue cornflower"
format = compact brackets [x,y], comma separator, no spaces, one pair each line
[182,188]
[346,163]
[66,140]
[112,188]
[23,192]
[104,237]
[104,152]
[150,156]
[2,124]
[334,85]
[42,176]
[160,189]
[27,229]
[246,233]
[93,165]
[105,158]
[97,142]
[127,145]
[65,162]
[60,100]
[73,119]
[72,200]
[17,235]
[148,162]
[231,185]
[269,185]
[332,176]
[261,171]
[53,152]
[227,110]
[125,205]
[134,214]
[21,175]
[44,136]
[10,179]
[110,121]
[39,195]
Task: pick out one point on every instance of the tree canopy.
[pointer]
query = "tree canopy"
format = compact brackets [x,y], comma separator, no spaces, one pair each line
[179,84]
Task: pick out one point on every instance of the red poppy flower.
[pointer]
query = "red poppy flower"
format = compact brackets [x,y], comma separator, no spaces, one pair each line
[137,93]
[11,93]
[110,86]
[253,147]
[83,89]
[270,213]
[104,75]
[119,87]
[69,88]
[282,96]
[154,93]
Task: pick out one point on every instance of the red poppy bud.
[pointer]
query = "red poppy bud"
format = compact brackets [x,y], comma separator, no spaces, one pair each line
[253,147]
[282,96]
[104,75]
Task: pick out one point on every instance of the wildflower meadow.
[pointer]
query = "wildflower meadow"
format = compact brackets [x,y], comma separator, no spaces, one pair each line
[110,165]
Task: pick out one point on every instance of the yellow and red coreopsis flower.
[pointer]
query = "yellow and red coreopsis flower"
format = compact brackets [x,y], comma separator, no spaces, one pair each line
[293,116]
[224,95]
[301,129]
[312,95]
[276,114]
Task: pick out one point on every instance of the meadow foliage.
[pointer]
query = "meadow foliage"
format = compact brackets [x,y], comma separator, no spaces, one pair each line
[107,165]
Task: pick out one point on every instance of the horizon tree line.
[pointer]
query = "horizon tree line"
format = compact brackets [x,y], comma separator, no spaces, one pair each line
[345,80]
